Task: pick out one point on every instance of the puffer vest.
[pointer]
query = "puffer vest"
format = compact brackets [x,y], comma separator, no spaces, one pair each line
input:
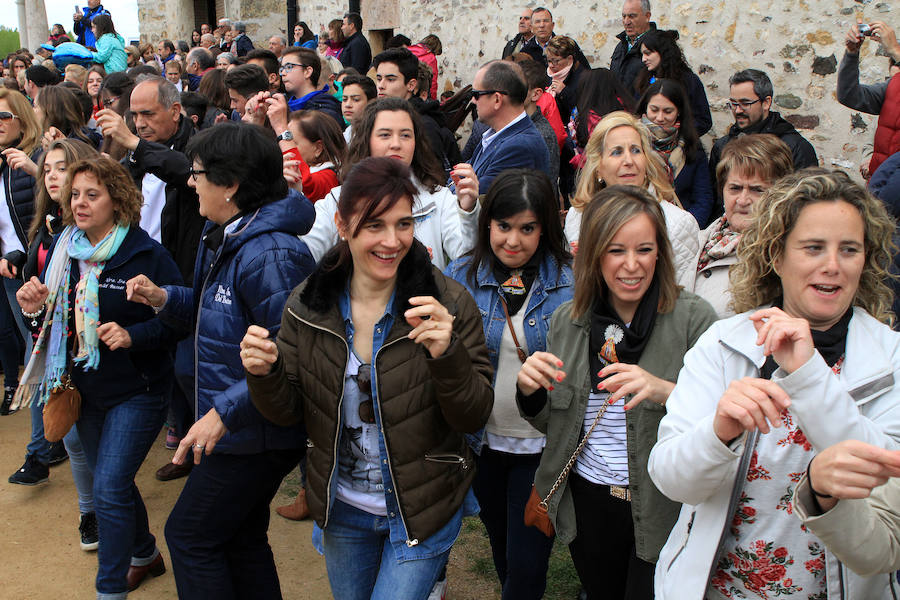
[887,135]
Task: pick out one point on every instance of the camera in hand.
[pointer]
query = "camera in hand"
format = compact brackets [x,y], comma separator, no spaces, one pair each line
[865,29]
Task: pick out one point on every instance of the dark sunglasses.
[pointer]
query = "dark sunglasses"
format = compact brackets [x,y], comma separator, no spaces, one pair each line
[479,93]
[6,116]
[364,382]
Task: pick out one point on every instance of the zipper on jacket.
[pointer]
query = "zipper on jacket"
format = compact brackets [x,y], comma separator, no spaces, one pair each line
[337,432]
[409,543]
[197,414]
[687,536]
[17,225]
[449,458]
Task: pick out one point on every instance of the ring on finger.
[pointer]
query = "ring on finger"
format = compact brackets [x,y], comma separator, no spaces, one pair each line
[199,446]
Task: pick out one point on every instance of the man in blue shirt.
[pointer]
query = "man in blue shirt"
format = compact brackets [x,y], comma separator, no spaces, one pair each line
[83,22]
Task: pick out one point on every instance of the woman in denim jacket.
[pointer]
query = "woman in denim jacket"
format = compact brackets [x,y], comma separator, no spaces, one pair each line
[519,273]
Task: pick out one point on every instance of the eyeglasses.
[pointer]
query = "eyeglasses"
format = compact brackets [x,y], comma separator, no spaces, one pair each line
[745,104]
[476,94]
[110,101]
[288,67]
[7,116]
[195,172]
[555,61]
[364,382]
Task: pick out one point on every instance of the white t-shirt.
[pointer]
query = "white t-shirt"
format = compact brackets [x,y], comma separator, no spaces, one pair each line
[9,239]
[154,191]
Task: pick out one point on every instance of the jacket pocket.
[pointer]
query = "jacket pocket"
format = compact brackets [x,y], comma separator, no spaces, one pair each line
[684,542]
[561,397]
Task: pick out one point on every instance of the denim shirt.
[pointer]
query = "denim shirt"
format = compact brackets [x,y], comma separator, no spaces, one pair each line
[444,538]
[552,286]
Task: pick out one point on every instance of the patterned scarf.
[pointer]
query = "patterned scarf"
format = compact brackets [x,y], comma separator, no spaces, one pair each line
[668,144]
[48,359]
[721,243]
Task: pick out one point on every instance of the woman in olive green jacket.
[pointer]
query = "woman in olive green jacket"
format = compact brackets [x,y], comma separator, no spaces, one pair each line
[612,358]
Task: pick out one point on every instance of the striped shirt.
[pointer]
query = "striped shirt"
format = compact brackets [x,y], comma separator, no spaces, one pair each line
[604,459]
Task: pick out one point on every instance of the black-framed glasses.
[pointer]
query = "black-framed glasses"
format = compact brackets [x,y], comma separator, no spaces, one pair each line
[7,116]
[195,172]
[110,101]
[364,383]
[479,93]
[745,104]
[288,67]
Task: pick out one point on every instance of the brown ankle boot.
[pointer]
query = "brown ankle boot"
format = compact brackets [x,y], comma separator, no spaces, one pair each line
[296,511]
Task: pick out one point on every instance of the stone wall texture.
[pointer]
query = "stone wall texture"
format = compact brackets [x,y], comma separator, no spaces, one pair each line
[797,42]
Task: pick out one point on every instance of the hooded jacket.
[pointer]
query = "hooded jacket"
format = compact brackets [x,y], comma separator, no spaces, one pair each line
[111,52]
[426,404]
[181,222]
[319,100]
[244,281]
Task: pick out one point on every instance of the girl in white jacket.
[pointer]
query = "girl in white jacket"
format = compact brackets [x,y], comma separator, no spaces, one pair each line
[807,363]
[445,223]
[619,152]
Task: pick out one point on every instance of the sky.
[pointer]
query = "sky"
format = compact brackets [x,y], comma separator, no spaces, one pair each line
[124,14]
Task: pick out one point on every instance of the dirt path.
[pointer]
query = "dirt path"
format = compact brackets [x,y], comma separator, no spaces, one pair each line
[40,555]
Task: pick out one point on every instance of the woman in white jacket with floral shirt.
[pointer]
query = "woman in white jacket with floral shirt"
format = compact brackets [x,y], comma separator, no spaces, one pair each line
[446,223]
[619,152]
[808,362]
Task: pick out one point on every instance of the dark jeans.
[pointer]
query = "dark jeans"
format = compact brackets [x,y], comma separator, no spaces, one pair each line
[116,441]
[603,550]
[12,332]
[217,532]
[502,486]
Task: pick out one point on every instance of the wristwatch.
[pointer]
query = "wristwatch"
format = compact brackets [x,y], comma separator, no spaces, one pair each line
[285,135]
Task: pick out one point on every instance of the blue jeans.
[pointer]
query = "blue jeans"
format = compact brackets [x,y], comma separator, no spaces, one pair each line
[361,562]
[81,472]
[502,485]
[217,531]
[38,444]
[116,441]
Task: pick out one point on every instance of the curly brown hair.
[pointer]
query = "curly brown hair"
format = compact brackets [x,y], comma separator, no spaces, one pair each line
[754,281]
[125,195]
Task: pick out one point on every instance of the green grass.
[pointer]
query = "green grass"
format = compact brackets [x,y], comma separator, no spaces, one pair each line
[9,41]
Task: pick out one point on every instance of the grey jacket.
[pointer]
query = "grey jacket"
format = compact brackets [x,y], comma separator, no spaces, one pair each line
[852,94]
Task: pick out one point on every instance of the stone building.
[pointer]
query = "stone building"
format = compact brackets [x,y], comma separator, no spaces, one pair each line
[797,42]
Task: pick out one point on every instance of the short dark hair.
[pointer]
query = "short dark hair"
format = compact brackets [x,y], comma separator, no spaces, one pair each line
[138,70]
[270,61]
[307,57]
[406,62]
[168,45]
[762,85]
[535,75]
[41,76]
[398,41]
[372,187]
[424,78]
[194,103]
[257,168]
[367,85]
[355,19]
[506,76]
[247,80]
[542,9]
[203,57]
[212,85]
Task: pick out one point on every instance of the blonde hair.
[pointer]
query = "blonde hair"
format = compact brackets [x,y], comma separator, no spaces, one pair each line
[31,129]
[754,281]
[609,210]
[589,183]
[761,155]
[78,74]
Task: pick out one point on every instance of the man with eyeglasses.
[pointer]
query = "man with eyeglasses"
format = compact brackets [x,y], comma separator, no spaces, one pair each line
[300,70]
[524,35]
[750,101]
[511,140]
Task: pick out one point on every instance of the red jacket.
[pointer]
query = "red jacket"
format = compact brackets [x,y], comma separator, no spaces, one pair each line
[887,135]
[426,56]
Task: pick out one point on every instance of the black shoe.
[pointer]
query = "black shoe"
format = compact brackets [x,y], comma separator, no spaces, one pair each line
[32,472]
[58,453]
[88,530]
[8,393]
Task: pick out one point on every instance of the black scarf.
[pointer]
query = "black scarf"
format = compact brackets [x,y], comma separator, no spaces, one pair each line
[516,283]
[216,235]
[831,344]
[612,341]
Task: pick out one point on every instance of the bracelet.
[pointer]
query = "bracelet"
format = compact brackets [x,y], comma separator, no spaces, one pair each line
[33,315]
[809,479]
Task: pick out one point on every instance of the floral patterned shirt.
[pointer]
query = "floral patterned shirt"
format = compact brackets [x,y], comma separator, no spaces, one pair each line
[767,553]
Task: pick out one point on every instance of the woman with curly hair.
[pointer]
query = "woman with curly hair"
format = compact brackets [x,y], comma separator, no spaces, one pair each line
[809,361]
[118,354]
[664,59]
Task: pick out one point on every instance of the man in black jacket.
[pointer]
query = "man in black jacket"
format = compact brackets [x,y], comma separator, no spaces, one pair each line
[542,26]
[626,58]
[396,76]
[750,101]
[357,53]
[158,165]
[522,37]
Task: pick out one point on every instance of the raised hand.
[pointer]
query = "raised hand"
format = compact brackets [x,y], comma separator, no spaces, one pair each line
[787,339]
[143,291]
[432,324]
[749,403]
[623,379]
[258,352]
[540,370]
[32,295]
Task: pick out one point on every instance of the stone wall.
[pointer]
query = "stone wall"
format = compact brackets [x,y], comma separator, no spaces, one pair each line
[797,42]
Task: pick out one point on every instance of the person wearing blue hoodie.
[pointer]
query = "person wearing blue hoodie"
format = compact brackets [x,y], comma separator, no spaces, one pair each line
[249,261]
[300,70]
[83,21]
[110,45]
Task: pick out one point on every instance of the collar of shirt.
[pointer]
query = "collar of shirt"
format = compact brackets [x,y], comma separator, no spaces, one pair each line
[490,135]
[632,41]
[382,327]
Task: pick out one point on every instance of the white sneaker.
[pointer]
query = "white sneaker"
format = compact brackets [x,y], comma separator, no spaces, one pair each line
[439,591]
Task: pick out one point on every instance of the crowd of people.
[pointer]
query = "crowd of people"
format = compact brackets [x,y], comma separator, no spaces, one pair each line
[578,323]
